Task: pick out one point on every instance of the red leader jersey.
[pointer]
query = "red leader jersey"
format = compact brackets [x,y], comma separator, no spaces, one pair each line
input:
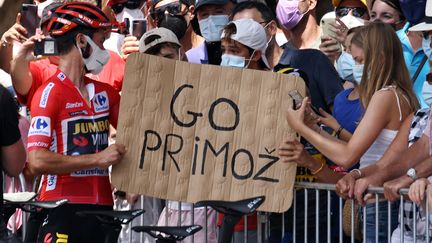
[64,123]
[41,70]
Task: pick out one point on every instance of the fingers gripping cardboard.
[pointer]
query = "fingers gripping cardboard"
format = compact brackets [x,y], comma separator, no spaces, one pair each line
[204,132]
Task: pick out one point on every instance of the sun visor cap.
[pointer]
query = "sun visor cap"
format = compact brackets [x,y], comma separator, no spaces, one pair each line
[251,34]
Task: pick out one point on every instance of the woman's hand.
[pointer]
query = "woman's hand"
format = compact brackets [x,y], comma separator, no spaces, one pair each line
[328,120]
[296,118]
[345,186]
[417,190]
[292,151]
[340,31]
[15,33]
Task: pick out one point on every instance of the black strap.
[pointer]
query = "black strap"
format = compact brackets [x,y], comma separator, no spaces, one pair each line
[416,74]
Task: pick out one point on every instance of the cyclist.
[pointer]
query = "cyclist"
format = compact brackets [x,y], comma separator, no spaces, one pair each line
[71,115]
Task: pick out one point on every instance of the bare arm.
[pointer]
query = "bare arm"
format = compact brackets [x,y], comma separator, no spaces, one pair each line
[21,76]
[347,154]
[43,161]
[292,151]
[13,158]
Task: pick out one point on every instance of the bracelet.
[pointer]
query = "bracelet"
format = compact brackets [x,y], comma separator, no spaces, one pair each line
[359,171]
[319,169]
[339,131]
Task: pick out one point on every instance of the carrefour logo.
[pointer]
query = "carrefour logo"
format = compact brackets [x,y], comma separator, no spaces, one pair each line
[101,102]
[40,125]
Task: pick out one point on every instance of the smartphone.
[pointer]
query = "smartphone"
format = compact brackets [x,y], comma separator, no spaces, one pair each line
[139,27]
[325,22]
[29,18]
[298,99]
[46,47]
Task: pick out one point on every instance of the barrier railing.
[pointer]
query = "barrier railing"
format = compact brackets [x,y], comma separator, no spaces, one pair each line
[304,221]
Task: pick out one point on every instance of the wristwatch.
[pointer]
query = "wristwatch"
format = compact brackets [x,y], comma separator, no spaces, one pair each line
[412,173]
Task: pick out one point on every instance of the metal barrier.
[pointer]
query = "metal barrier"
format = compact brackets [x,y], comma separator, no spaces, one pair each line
[312,232]
[305,225]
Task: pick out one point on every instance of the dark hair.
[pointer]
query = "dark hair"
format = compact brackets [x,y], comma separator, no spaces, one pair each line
[266,12]
[395,4]
[155,50]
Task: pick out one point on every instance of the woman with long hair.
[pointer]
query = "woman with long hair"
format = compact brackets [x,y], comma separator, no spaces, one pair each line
[387,97]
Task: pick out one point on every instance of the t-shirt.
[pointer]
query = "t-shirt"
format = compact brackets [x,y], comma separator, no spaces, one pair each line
[347,112]
[64,123]
[412,61]
[9,131]
[324,82]
[41,70]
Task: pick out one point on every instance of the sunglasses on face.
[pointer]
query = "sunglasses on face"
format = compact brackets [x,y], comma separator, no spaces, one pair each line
[171,8]
[131,4]
[356,11]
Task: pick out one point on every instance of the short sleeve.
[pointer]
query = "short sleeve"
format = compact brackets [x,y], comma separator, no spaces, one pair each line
[9,130]
[44,110]
[329,81]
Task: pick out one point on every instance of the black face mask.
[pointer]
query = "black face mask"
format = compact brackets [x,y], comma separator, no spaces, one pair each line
[176,24]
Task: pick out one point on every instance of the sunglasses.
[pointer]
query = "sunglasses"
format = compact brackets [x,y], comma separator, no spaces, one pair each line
[173,8]
[131,4]
[356,11]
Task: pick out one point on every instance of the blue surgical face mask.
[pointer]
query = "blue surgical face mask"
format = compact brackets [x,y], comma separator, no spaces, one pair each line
[211,27]
[358,72]
[344,66]
[427,49]
[229,60]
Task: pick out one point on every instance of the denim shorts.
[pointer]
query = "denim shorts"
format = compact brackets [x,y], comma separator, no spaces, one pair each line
[382,221]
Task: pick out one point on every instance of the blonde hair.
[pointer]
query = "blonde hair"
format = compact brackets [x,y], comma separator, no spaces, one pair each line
[384,64]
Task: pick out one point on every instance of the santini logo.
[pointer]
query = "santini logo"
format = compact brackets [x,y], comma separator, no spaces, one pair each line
[74,105]
[40,125]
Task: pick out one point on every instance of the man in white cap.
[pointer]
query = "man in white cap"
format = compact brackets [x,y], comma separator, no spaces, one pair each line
[244,43]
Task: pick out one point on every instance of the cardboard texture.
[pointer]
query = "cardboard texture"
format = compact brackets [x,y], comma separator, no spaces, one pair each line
[204,132]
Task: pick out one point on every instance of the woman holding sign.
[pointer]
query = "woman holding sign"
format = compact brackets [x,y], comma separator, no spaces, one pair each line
[385,88]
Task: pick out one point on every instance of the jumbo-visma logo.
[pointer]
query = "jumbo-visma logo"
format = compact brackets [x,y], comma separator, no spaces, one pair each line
[101,102]
[40,125]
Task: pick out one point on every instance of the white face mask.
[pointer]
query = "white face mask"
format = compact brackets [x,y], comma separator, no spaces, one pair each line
[229,60]
[211,27]
[41,7]
[131,14]
[358,72]
[344,66]
[97,59]
[426,46]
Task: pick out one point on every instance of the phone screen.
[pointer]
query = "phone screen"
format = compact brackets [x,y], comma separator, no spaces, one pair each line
[139,27]
[29,18]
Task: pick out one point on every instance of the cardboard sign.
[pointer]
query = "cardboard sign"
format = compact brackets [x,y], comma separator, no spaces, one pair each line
[204,132]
